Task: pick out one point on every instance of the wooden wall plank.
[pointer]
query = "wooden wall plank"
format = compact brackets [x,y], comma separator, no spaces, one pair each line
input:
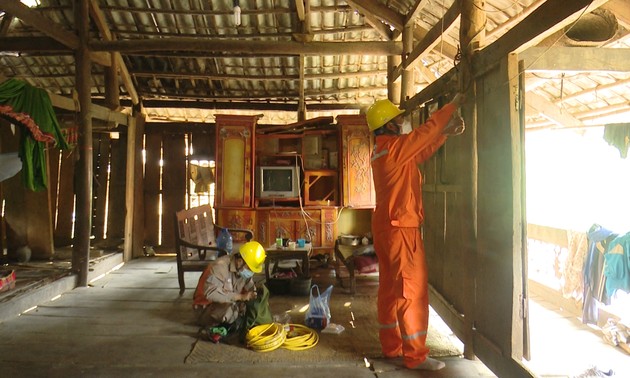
[99,188]
[173,184]
[54,157]
[204,143]
[153,146]
[499,269]
[116,212]
[65,200]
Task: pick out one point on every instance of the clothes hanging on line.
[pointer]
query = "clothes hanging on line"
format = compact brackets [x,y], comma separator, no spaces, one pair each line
[594,278]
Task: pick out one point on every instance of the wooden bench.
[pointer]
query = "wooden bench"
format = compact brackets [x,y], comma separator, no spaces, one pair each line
[196,240]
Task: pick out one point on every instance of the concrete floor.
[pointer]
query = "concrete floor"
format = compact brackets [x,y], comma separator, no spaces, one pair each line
[132,322]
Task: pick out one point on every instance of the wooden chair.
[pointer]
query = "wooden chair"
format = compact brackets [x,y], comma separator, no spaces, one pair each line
[196,242]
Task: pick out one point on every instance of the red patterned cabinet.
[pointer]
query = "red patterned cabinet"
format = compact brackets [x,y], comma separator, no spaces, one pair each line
[235,147]
[357,186]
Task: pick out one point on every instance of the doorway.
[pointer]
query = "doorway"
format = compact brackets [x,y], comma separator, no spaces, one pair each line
[575,180]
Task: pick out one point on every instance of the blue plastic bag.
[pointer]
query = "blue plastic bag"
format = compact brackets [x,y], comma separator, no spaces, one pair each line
[318,314]
[224,240]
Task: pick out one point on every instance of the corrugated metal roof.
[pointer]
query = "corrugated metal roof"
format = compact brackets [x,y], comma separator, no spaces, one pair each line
[189,84]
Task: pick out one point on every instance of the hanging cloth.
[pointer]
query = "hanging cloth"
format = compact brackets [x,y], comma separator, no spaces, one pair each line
[618,135]
[202,177]
[25,99]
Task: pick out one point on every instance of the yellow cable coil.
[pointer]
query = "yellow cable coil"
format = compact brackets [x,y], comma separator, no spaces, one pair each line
[268,337]
[265,337]
[300,337]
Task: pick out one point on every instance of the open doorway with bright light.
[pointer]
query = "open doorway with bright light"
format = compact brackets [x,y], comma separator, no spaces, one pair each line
[577,188]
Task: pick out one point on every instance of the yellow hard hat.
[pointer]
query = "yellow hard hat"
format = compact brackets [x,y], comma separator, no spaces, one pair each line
[254,255]
[381,112]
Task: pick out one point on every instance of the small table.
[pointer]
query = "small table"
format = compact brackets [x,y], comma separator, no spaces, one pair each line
[275,253]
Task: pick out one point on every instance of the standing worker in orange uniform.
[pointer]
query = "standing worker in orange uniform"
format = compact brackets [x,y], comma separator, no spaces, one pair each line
[403,298]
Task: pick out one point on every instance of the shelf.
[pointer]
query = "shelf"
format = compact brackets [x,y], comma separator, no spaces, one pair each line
[321,187]
[293,202]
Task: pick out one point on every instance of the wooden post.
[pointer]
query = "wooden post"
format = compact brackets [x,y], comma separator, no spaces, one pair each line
[301,103]
[83,178]
[407,85]
[134,189]
[471,37]
[393,86]
[112,86]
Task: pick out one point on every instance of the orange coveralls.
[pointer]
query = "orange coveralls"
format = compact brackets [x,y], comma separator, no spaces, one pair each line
[403,299]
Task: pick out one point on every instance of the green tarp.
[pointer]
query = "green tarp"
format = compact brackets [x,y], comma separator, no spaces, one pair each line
[35,102]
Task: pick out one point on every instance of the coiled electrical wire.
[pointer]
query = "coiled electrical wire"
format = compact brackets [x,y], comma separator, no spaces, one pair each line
[268,337]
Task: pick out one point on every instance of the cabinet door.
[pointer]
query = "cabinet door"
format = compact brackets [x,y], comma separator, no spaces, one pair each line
[328,227]
[357,185]
[234,218]
[274,224]
[235,146]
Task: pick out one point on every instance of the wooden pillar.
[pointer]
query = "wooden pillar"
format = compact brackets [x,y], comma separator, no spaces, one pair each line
[81,248]
[301,103]
[407,84]
[134,189]
[393,87]
[112,85]
[471,37]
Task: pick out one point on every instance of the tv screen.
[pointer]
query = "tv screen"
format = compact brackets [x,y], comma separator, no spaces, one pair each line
[277,180]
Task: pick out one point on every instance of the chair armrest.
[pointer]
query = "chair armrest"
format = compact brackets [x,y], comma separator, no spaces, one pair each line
[249,234]
[202,249]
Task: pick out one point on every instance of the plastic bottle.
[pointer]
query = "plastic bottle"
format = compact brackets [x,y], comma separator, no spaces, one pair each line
[224,240]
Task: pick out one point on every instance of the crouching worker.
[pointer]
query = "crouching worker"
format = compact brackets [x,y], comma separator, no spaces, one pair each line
[224,288]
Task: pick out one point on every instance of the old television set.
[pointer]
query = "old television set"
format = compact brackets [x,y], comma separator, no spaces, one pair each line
[278,182]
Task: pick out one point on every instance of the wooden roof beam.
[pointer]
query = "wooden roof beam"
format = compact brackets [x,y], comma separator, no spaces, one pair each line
[371,19]
[379,11]
[198,76]
[415,11]
[588,115]
[49,28]
[577,59]
[99,19]
[252,47]
[548,18]
[430,40]
[549,110]
[5,24]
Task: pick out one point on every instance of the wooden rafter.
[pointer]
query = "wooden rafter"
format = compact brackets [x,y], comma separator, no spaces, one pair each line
[582,59]
[5,24]
[372,20]
[551,16]
[198,76]
[430,40]
[415,11]
[99,19]
[379,11]
[49,27]
[549,110]
[251,47]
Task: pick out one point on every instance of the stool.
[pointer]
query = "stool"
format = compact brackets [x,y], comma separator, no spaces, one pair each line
[344,255]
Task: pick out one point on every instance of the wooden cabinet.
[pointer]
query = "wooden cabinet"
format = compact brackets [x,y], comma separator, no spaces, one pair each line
[357,186]
[234,157]
[237,218]
[316,225]
[334,170]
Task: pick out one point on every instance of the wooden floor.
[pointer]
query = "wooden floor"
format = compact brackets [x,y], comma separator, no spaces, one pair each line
[132,322]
